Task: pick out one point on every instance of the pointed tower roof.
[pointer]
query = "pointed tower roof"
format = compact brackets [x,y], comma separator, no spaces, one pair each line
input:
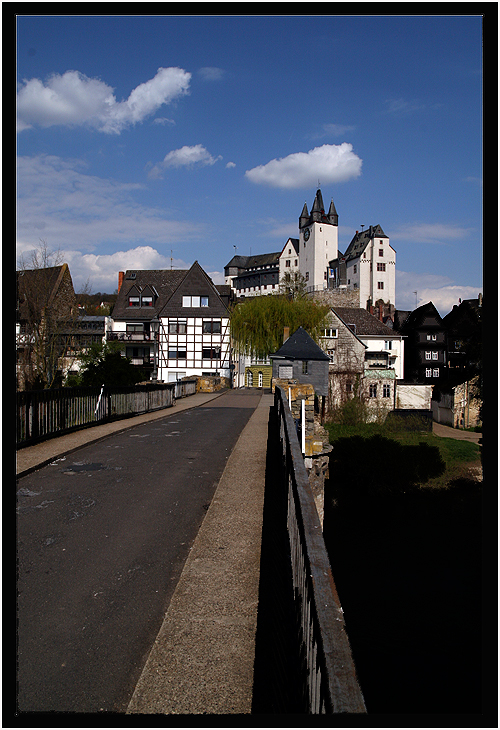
[304,217]
[332,214]
[318,209]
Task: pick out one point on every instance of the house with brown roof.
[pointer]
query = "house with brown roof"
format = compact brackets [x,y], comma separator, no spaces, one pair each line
[172,323]
[45,314]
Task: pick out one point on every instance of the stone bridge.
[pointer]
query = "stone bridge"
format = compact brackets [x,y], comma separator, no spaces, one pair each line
[174,564]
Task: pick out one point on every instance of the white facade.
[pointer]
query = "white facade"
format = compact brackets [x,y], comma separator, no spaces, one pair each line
[189,346]
[372,269]
[289,258]
[318,244]
[391,350]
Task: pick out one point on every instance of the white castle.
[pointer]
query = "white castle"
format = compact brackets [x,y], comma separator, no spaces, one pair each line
[364,276]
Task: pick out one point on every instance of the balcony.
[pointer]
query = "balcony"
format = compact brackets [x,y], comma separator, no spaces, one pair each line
[128,337]
[143,361]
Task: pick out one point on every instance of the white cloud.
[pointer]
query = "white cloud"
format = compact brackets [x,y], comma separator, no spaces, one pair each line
[230,164]
[403,106]
[75,99]
[163,121]
[431,233]
[211,73]
[60,203]
[413,290]
[326,164]
[333,130]
[102,269]
[187,156]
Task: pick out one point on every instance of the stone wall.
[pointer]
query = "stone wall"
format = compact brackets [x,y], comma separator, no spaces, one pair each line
[317,444]
[337,297]
[211,383]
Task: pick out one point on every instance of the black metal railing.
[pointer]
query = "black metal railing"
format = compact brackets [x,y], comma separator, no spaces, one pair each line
[43,414]
[327,672]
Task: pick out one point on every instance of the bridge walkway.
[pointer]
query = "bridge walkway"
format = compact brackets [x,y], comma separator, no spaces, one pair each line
[202,659]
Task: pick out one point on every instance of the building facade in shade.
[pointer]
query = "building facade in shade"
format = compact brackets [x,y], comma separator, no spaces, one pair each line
[172,323]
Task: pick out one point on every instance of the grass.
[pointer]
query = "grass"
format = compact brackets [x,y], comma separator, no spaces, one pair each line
[458,456]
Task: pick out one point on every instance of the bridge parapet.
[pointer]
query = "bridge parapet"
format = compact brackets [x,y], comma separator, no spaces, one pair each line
[324,674]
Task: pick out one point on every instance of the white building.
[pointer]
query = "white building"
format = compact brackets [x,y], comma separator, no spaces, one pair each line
[368,266]
[172,323]
[318,243]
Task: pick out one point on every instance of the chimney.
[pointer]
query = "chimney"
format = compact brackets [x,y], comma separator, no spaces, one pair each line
[381,313]
[286,334]
[121,276]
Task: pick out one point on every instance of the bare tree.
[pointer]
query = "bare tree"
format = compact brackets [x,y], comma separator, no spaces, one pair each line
[46,316]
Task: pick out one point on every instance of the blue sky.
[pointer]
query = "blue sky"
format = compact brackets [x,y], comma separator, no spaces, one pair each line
[154,141]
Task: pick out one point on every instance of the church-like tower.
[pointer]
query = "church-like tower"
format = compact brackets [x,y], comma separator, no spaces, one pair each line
[318,242]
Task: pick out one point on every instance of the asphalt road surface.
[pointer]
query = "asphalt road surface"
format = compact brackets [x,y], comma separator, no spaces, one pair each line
[103,535]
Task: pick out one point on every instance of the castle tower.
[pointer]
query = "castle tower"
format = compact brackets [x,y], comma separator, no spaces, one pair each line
[318,242]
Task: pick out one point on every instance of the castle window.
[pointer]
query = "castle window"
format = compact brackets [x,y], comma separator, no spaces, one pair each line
[380,267]
[381,252]
[355,269]
[380,285]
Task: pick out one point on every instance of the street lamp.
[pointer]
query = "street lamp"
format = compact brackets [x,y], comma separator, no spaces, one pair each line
[155,330]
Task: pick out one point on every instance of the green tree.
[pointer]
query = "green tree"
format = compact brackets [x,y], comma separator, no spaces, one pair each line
[257,324]
[104,365]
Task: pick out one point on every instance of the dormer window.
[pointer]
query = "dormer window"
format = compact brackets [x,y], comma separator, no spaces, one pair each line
[148,296]
[134,297]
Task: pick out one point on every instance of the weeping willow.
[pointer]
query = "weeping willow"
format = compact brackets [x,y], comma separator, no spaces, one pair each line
[257,324]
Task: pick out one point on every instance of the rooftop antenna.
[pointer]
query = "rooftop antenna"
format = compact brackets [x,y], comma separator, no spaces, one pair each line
[416,299]
[362,226]
[171,260]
